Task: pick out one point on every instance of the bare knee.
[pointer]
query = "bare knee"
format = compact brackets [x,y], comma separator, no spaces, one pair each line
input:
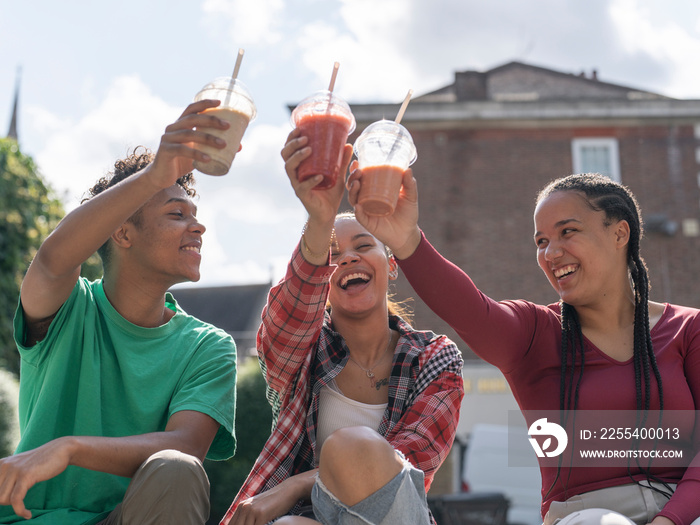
[295,520]
[353,445]
[356,462]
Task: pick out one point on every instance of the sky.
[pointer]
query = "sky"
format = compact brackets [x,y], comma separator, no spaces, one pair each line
[100,78]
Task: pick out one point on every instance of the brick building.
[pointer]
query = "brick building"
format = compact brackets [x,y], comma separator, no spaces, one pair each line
[489,141]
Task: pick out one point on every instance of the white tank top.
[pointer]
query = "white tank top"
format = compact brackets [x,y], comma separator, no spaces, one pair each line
[336,411]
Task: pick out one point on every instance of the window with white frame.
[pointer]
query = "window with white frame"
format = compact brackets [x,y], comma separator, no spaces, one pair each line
[596,155]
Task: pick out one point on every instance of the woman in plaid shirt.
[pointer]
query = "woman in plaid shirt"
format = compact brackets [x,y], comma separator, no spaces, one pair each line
[365,408]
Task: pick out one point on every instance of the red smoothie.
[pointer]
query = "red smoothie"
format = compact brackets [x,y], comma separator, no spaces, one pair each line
[328,134]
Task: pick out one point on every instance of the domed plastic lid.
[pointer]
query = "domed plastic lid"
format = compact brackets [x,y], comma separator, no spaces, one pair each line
[323,102]
[385,142]
[234,95]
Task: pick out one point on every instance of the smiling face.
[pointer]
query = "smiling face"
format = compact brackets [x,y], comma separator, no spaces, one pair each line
[359,284]
[582,254]
[164,240]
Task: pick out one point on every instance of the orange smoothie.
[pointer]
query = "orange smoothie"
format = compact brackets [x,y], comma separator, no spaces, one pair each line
[221,159]
[379,191]
[327,135]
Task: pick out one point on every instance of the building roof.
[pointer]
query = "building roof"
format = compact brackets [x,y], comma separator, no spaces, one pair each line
[235,309]
[524,95]
[518,82]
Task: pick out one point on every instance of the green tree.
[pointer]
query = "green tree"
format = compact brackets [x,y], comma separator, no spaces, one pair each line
[29,211]
[253,423]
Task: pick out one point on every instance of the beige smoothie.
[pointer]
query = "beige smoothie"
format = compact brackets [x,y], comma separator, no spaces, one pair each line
[221,159]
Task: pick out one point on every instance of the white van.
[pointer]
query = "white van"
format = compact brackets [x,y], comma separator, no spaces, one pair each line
[488,467]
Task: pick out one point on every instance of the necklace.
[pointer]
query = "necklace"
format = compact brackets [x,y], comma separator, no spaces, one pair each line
[368,371]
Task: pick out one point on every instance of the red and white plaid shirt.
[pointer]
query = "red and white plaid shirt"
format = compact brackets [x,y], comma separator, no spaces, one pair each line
[300,352]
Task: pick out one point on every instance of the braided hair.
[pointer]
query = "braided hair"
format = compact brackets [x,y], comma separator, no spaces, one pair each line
[618,203]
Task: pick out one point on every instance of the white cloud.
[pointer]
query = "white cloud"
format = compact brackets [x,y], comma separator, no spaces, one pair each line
[244,211]
[239,203]
[244,23]
[644,30]
[638,32]
[256,190]
[239,250]
[384,48]
[76,154]
[373,65]
[45,122]
[262,144]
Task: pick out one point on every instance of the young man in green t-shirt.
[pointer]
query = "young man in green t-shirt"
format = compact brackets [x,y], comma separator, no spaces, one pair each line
[122,394]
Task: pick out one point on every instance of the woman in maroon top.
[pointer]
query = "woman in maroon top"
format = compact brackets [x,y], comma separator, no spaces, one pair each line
[604,346]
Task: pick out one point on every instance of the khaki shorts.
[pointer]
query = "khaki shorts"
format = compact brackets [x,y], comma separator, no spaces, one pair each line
[625,504]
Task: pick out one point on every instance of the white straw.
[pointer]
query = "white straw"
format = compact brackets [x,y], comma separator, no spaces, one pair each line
[234,75]
[402,109]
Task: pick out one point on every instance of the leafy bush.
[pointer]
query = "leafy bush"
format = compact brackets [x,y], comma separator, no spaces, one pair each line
[253,423]
[9,422]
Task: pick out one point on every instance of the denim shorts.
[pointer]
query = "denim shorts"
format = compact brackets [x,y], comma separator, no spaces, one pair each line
[402,500]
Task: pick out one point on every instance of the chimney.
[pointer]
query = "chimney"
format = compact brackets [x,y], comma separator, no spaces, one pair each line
[594,74]
[470,85]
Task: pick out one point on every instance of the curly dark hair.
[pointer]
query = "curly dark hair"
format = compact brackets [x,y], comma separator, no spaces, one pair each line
[137,160]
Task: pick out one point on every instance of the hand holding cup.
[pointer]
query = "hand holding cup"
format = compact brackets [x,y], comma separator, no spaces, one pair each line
[320,205]
[237,108]
[399,230]
[326,120]
[384,151]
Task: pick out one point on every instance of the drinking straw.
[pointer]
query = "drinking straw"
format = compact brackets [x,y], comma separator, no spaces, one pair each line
[234,75]
[239,58]
[398,118]
[336,65]
[402,109]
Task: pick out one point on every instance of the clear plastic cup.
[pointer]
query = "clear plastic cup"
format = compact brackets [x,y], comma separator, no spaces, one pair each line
[326,119]
[238,109]
[384,152]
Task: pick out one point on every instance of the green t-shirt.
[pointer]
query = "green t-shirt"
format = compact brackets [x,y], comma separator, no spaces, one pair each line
[96,374]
